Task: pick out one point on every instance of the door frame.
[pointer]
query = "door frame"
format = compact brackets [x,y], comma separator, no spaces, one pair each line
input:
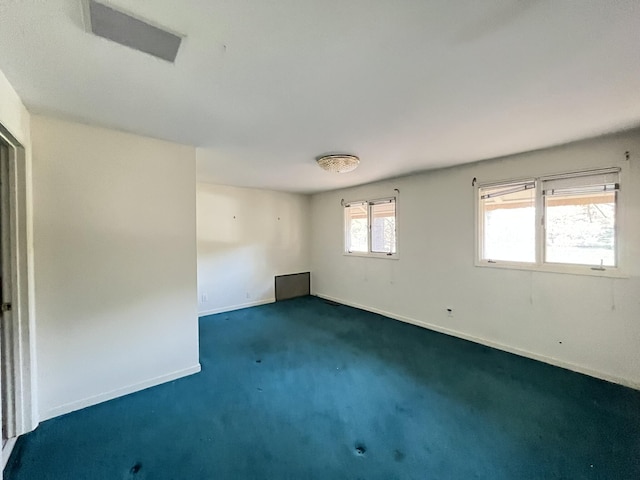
[22,416]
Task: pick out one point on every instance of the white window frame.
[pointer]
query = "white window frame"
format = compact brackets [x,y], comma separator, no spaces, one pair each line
[369,253]
[617,271]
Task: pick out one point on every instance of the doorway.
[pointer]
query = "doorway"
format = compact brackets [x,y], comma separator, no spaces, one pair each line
[17,415]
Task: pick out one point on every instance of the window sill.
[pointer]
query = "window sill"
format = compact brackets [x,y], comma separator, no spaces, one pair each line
[608,272]
[393,256]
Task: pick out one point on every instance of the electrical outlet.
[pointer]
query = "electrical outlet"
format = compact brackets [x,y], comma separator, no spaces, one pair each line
[203,298]
[248,296]
[450,312]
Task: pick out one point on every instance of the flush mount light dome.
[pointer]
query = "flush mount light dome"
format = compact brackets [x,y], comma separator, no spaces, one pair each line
[338,163]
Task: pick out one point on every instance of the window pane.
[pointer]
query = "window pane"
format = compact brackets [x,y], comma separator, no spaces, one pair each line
[356,228]
[508,223]
[580,229]
[383,227]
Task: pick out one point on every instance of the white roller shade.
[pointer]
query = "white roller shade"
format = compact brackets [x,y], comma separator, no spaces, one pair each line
[495,192]
[589,182]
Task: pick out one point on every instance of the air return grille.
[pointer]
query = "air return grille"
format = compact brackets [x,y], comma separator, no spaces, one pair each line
[131,32]
[292,286]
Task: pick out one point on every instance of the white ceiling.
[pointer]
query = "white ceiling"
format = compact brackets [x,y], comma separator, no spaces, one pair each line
[264,86]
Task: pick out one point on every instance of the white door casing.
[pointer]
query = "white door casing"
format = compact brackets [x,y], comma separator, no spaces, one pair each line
[7,378]
[16,322]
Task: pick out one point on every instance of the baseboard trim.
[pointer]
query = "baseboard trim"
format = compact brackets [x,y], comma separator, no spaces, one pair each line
[6,451]
[490,343]
[120,392]
[230,308]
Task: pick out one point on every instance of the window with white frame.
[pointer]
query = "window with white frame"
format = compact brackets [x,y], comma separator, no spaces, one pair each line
[568,219]
[370,227]
[580,219]
[509,222]
[357,227]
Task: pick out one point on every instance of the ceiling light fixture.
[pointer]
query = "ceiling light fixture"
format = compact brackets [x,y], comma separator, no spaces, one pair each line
[338,163]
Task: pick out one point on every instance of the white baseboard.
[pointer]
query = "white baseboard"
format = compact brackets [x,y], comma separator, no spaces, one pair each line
[230,308]
[103,397]
[489,343]
[6,451]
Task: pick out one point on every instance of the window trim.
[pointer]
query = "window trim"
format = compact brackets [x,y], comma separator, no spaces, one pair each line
[345,226]
[480,223]
[369,253]
[539,265]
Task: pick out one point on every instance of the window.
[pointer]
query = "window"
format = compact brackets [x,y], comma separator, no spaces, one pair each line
[580,219]
[509,222]
[370,227]
[357,220]
[564,220]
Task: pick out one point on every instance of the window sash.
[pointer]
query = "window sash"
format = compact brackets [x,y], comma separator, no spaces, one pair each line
[355,211]
[363,210]
[517,249]
[382,210]
[591,250]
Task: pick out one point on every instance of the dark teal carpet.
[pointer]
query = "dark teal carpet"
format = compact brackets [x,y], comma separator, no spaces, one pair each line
[306,390]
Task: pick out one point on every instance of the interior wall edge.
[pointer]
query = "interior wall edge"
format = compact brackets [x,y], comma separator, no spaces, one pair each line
[489,343]
[116,271]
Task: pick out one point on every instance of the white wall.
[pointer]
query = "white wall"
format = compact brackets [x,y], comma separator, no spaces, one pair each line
[596,319]
[245,238]
[13,115]
[115,263]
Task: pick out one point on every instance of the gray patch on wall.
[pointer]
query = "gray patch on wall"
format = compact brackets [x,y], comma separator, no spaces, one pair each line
[293,285]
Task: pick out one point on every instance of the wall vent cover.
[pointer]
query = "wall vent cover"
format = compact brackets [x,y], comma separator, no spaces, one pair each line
[293,285]
[126,30]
